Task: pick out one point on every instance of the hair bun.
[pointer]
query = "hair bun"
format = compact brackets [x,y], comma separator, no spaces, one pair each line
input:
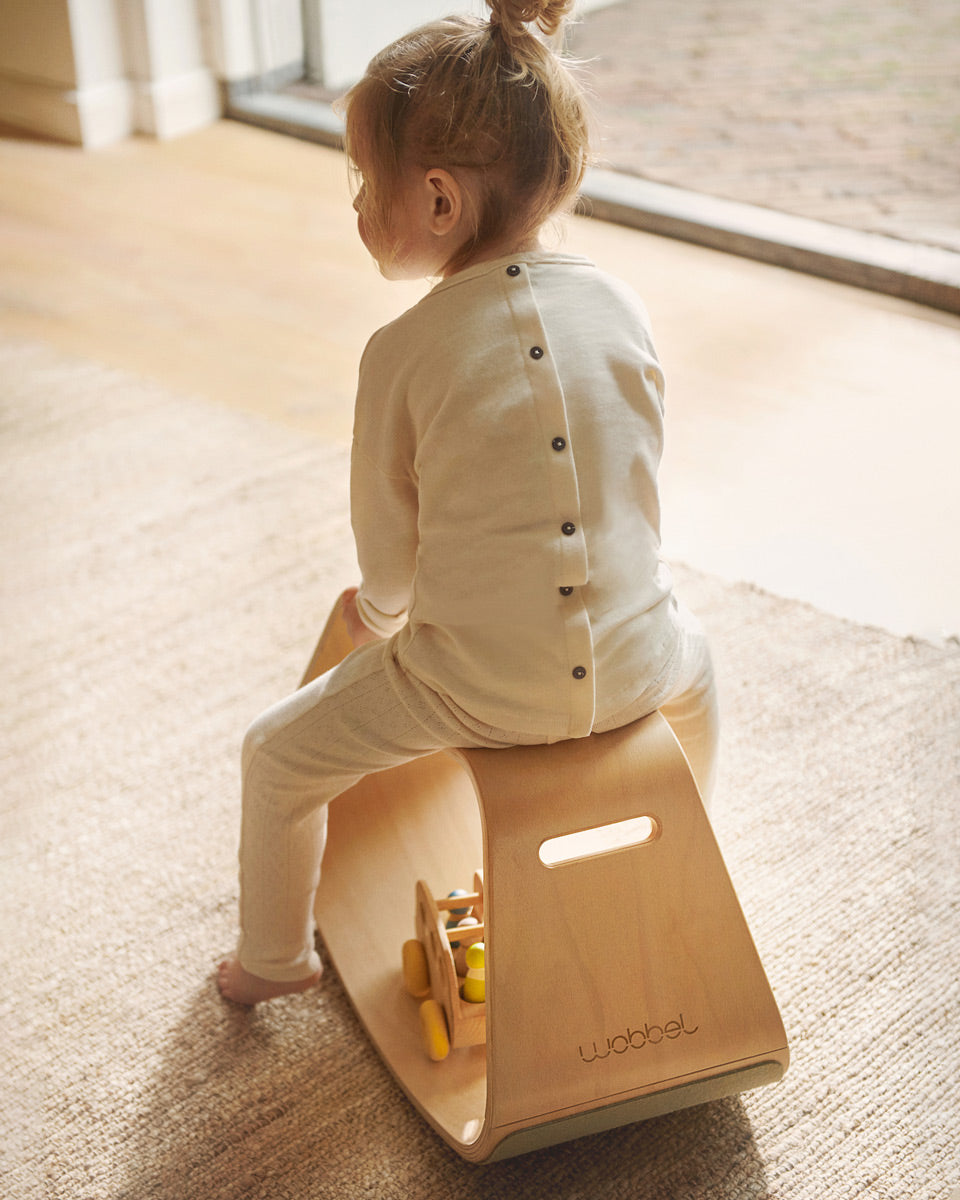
[513,16]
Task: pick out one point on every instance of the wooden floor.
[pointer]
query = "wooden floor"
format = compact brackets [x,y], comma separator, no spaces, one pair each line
[813,429]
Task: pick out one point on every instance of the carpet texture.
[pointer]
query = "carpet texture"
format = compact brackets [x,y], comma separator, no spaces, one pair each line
[166,568]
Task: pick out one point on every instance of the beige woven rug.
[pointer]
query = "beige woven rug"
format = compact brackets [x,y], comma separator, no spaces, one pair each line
[166,568]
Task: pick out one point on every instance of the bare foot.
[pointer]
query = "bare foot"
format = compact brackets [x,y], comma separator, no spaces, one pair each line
[241,987]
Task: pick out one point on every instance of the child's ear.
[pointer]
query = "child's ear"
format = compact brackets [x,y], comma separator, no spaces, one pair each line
[445,201]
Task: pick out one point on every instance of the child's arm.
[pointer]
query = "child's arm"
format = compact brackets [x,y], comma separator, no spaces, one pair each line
[384,512]
[384,499]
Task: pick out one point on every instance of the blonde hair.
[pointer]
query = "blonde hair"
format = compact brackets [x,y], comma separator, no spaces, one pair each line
[487,101]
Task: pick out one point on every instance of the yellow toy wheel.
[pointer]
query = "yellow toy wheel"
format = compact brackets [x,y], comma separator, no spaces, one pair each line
[416,973]
[433,1031]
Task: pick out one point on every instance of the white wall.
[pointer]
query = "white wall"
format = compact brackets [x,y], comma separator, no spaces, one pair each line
[343,36]
[54,84]
[251,39]
[347,44]
[173,88]
[94,71]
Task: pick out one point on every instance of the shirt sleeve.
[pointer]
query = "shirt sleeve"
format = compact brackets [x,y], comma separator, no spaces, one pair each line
[384,502]
[384,517]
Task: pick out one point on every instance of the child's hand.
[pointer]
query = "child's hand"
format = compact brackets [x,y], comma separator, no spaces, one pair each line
[359,633]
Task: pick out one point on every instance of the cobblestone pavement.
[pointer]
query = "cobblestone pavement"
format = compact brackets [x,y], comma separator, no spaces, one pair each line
[847,111]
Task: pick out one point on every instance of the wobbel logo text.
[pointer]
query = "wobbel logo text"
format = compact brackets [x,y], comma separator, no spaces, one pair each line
[636,1039]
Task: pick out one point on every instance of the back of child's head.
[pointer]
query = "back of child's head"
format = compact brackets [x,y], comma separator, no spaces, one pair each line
[487,101]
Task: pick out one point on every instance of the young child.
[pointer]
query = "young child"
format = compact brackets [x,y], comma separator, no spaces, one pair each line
[507,438]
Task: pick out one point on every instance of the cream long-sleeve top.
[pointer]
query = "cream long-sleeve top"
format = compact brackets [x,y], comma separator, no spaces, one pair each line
[507,438]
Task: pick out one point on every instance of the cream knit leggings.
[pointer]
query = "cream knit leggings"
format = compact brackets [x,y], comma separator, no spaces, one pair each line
[367,715]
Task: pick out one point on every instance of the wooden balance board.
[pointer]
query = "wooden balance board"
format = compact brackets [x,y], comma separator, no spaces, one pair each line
[620,984]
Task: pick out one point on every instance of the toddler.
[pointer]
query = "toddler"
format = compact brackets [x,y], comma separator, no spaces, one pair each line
[507,437]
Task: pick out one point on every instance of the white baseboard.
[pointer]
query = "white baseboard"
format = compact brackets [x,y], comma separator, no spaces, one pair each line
[97,116]
[90,117]
[167,108]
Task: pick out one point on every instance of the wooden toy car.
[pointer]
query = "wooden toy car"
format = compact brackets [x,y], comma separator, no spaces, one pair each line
[432,969]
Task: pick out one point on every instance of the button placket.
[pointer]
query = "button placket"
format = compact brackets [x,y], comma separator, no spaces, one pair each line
[579,671]
[550,409]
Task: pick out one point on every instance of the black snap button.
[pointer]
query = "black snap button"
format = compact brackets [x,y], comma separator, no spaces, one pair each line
[559,443]
[536,352]
[513,270]
[579,672]
[566,591]
[568,528]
